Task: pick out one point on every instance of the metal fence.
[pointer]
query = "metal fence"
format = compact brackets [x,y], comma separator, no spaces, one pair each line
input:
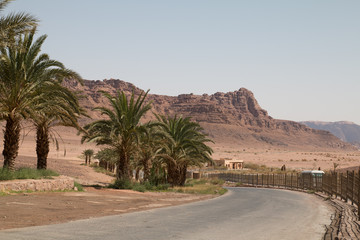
[343,185]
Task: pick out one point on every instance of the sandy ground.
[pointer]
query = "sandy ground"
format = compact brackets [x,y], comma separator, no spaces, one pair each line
[20,210]
[34,209]
[293,160]
[270,156]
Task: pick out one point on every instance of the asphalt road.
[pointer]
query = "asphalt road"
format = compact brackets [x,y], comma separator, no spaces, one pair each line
[243,213]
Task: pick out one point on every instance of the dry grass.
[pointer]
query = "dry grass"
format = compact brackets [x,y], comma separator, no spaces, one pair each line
[202,186]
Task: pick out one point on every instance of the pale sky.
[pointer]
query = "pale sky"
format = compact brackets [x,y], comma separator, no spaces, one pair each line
[301,59]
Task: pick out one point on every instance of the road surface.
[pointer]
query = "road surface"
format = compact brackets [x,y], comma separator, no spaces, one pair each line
[243,213]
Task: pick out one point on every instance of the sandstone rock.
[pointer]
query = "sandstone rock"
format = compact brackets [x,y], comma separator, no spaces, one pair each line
[218,112]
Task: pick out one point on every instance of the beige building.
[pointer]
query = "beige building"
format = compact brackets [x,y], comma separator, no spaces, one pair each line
[231,164]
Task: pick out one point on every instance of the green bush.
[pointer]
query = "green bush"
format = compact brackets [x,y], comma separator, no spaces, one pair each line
[26,173]
[139,187]
[78,186]
[121,184]
[162,187]
[217,181]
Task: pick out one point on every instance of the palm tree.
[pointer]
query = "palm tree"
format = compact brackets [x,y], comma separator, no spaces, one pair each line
[184,145]
[24,74]
[107,158]
[58,106]
[14,24]
[88,153]
[148,148]
[120,130]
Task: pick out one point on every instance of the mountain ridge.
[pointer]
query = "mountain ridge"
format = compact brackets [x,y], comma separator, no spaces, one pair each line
[233,118]
[345,130]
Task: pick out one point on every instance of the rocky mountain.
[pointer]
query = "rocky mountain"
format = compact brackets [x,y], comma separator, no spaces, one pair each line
[233,118]
[346,131]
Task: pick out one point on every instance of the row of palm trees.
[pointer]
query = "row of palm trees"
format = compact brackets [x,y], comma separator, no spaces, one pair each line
[170,143]
[31,87]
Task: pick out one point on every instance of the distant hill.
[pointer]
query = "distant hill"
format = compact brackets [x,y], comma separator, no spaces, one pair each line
[346,131]
[232,118]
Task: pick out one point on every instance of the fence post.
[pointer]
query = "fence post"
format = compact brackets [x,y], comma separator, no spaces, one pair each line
[341,187]
[347,185]
[273,180]
[358,203]
[285,181]
[352,187]
[297,180]
[336,183]
[302,178]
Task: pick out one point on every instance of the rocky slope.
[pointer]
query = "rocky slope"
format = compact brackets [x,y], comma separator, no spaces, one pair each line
[233,118]
[346,131]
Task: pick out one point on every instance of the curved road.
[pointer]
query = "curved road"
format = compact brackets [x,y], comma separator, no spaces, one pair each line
[243,213]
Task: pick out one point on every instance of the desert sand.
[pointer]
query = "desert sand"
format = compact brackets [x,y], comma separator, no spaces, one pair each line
[68,158]
[30,209]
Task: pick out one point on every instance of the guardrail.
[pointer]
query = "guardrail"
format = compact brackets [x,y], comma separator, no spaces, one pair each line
[345,186]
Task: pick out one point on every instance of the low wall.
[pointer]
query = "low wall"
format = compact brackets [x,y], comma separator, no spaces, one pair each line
[57,183]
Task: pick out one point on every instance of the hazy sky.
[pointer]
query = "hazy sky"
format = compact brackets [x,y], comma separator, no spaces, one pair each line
[301,59]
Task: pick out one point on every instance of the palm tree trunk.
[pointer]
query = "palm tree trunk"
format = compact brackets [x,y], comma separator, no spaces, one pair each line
[182,179]
[123,167]
[137,174]
[42,146]
[11,141]
[173,174]
[146,166]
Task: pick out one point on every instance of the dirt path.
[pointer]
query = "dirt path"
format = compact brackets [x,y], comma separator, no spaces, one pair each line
[84,175]
[42,208]
[34,209]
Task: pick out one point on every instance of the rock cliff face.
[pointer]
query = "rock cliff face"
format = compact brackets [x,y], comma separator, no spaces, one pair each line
[346,131]
[229,118]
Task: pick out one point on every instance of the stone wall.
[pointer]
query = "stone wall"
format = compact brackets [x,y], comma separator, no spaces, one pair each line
[56,183]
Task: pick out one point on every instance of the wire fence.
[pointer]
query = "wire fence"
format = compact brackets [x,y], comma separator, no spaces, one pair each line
[342,185]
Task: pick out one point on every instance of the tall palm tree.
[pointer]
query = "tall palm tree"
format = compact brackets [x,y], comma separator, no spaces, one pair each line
[148,148]
[107,158]
[88,153]
[14,24]
[121,128]
[58,106]
[184,145]
[23,76]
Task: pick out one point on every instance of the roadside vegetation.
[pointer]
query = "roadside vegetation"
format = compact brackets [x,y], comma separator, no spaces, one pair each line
[193,186]
[163,149]
[26,173]
[202,186]
[102,170]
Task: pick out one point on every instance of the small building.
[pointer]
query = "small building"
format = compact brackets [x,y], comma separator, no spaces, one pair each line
[230,164]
